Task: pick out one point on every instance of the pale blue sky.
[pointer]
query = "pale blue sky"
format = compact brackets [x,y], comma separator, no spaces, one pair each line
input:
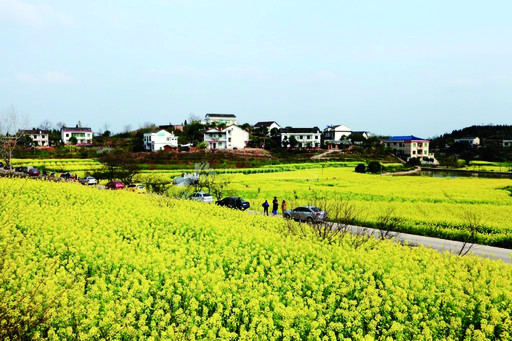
[390,67]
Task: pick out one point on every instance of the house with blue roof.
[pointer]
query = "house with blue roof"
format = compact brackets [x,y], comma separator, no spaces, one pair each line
[409,146]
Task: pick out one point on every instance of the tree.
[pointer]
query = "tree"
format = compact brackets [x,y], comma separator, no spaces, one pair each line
[293,142]
[117,165]
[216,185]
[193,118]
[25,141]
[261,131]
[73,140]
[10,124]
[46,125]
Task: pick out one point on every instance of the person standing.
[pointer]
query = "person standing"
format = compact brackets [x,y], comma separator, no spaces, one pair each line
[283,206]
[265,207]
[275,206]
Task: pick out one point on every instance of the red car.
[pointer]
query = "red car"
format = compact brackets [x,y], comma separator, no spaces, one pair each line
[114,185]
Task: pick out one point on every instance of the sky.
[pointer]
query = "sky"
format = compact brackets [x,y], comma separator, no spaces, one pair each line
[388,67]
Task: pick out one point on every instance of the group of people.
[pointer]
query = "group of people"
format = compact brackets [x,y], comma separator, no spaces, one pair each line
[275,206]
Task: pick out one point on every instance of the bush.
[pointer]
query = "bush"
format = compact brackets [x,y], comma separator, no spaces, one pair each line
[374,167]
[414,161]
[361,168]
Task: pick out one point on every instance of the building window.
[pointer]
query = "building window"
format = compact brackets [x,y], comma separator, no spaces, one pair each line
[413,152]
[229,139]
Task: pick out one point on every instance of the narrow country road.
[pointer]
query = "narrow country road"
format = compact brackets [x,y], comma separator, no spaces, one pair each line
[441,245]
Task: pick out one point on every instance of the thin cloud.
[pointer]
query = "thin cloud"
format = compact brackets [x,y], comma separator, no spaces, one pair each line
[57,77]
[26,77]
[45,77]
[33,15]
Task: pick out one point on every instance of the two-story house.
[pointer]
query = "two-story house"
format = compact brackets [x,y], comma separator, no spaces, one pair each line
[409,146]
[336,135]
[40,138]
[305,137]
[82,135]
[212,119]
[231,137]
[159,140]
[270,125]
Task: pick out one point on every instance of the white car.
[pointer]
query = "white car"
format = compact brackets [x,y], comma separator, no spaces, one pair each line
[88,181]
[202,196]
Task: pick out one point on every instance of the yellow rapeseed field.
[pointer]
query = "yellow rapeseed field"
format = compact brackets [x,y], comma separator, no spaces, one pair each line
[82,263]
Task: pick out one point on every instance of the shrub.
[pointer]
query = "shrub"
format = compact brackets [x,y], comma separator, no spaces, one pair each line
[361,168]
[374,167]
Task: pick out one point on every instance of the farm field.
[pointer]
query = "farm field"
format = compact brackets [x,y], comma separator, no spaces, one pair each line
[437,207]
[78,262]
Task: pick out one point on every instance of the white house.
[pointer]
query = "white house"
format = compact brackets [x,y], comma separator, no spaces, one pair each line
[409,146]
[472,141]
[336,135]
[507,143]
[40,138]
[230,137]
[227,119]
[269,124]
[305,137]
[82,135]
[159,140]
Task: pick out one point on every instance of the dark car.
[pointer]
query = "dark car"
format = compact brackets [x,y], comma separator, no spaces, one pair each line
[114,185]
[21,169]
[306,213]
[33,172]
[234,202]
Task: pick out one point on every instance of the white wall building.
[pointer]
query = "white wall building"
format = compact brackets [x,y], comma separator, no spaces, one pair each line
[227,119]
[83,135]
[40,138]
[409,146]
[334,135]
[159,140]
[473,141]
[229,138]
[306,137]
[269,124]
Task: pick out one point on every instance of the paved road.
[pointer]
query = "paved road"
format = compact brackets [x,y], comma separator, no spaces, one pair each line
[452,246]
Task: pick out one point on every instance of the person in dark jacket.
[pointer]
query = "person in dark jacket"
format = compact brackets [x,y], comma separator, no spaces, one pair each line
[265,207]
[275,206]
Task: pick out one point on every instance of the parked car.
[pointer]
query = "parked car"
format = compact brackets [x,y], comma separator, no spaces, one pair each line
[21,169]
[33,172]
[306,213]
[136,188]
[114,185]
[234,202]
[89,180]
[202,196]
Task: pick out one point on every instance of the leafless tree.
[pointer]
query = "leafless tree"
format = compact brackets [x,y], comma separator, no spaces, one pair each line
[46,125]
[127,128]
[10,124]
[60,125]
[471,223]
[147,125]
[193,118]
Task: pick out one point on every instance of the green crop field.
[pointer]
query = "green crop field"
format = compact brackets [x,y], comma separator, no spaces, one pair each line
[82,263]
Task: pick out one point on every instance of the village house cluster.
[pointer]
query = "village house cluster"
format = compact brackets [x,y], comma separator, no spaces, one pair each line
[222,132]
